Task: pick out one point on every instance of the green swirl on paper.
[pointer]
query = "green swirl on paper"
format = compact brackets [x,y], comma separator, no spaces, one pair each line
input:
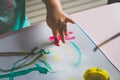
[38,68]
[79,54]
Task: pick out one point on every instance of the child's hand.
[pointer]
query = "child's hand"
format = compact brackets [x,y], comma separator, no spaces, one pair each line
[57,21]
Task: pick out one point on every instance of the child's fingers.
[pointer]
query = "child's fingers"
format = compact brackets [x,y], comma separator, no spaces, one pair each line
[55,34]
[69,20]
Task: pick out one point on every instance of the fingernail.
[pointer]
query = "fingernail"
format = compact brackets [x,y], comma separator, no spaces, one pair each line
[57,42]
[63,41]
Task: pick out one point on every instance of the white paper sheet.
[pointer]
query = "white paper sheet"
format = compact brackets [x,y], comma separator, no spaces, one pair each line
[62,58]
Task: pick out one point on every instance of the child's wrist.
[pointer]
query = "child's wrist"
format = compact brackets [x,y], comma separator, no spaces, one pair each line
[52,5]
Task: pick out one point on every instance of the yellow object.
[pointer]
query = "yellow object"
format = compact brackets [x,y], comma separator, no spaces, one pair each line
[96,74]
[70,78]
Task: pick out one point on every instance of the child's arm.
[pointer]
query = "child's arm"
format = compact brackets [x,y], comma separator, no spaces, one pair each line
[57,19]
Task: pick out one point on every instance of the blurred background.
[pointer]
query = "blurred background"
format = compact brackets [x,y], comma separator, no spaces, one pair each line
[113,1]
[36,10]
